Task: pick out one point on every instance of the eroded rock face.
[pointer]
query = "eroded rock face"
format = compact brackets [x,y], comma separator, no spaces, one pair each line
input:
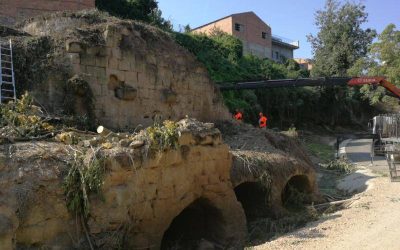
[140,196]
[272,160]
[134,71]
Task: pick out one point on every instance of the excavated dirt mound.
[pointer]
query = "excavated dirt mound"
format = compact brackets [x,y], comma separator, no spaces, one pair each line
[272,160]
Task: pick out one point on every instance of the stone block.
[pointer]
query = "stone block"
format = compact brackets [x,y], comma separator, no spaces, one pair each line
[184,186]
[93,51]
[173,175]
[112,36]
[126,93]
[6,225]
[132,61]
[131,77]
[124,65]
[104,51]
[206,140]
[214,178]
[88,60]
[116,53]
[78,68]
[147,79]
[186,138]
[119,74]
[165,192]
[151,59]
[74,47]
[171,157]
[140,65]
[216,188]
[140,241]
[163,209]
[96,71]
[101,61]
[117,177]
[201,180]
[121,195]
[112,63]
[152,176]
[94,227]
[150,191]
[136,191]
[74,58]
[144,211]
[170,97]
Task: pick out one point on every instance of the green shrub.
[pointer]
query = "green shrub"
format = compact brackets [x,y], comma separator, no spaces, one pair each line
[83,179]
[22,119]
[163,137]
[341,165]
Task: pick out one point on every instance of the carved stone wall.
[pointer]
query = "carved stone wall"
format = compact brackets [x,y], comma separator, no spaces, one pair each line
[135,72]
[12,11]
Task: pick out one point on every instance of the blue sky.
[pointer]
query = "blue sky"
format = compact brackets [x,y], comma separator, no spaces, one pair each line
[293,19]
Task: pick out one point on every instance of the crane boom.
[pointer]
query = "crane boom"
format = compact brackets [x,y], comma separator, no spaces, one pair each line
[313,82]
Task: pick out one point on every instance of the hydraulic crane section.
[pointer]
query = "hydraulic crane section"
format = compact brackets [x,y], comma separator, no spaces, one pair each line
[312,82]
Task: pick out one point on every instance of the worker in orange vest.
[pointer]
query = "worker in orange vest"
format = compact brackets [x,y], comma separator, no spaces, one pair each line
[262,122]
[238,115]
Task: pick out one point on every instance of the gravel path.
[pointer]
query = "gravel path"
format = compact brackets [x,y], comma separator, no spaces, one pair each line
[371,222]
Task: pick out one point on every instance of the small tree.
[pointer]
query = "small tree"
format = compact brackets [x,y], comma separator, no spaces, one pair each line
[341,40]
[339,43]
[143,10]
[187,28]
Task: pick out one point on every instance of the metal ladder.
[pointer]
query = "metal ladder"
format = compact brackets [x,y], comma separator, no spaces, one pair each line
[394,165]
[7,78]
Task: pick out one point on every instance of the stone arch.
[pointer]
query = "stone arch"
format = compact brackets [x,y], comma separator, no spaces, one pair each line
[199,222]
[297,191]
[254,198]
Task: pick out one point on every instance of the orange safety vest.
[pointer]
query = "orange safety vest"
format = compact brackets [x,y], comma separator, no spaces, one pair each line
[238,116]
[263,121]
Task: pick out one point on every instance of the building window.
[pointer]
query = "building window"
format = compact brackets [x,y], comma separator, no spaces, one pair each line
[238,27]
[276,55]
[263,35]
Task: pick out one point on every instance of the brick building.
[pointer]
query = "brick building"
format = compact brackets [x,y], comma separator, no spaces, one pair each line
[254,33]
[304,63]
[12,11]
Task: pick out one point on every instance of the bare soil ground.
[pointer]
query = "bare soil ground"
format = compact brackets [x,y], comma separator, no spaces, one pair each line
[370,222]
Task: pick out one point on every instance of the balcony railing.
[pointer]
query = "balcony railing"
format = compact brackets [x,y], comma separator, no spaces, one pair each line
[284,40]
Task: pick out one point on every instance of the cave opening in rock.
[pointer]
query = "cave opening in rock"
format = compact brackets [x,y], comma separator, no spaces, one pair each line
[198,223]
[297,192]
[254,198]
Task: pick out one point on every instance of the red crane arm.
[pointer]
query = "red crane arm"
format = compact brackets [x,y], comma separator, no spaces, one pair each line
[381,81]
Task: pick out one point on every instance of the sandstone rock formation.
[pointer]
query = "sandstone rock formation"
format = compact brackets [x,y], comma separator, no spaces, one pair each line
[128,72]
[123,74]
[145,202]
[271,160]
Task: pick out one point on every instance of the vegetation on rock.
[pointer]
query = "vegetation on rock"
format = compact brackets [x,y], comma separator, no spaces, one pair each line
[82,180]
[163,136]
[143,10]
[343,166]
[21,119]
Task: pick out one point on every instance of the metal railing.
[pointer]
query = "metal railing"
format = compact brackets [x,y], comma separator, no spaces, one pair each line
[285,40]
[387,125]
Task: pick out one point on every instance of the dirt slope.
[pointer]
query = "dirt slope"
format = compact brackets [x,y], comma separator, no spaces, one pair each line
[371,222]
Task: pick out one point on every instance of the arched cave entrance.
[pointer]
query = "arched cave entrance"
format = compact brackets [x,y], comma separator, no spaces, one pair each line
[198,222]
[297,192]
[254,198]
